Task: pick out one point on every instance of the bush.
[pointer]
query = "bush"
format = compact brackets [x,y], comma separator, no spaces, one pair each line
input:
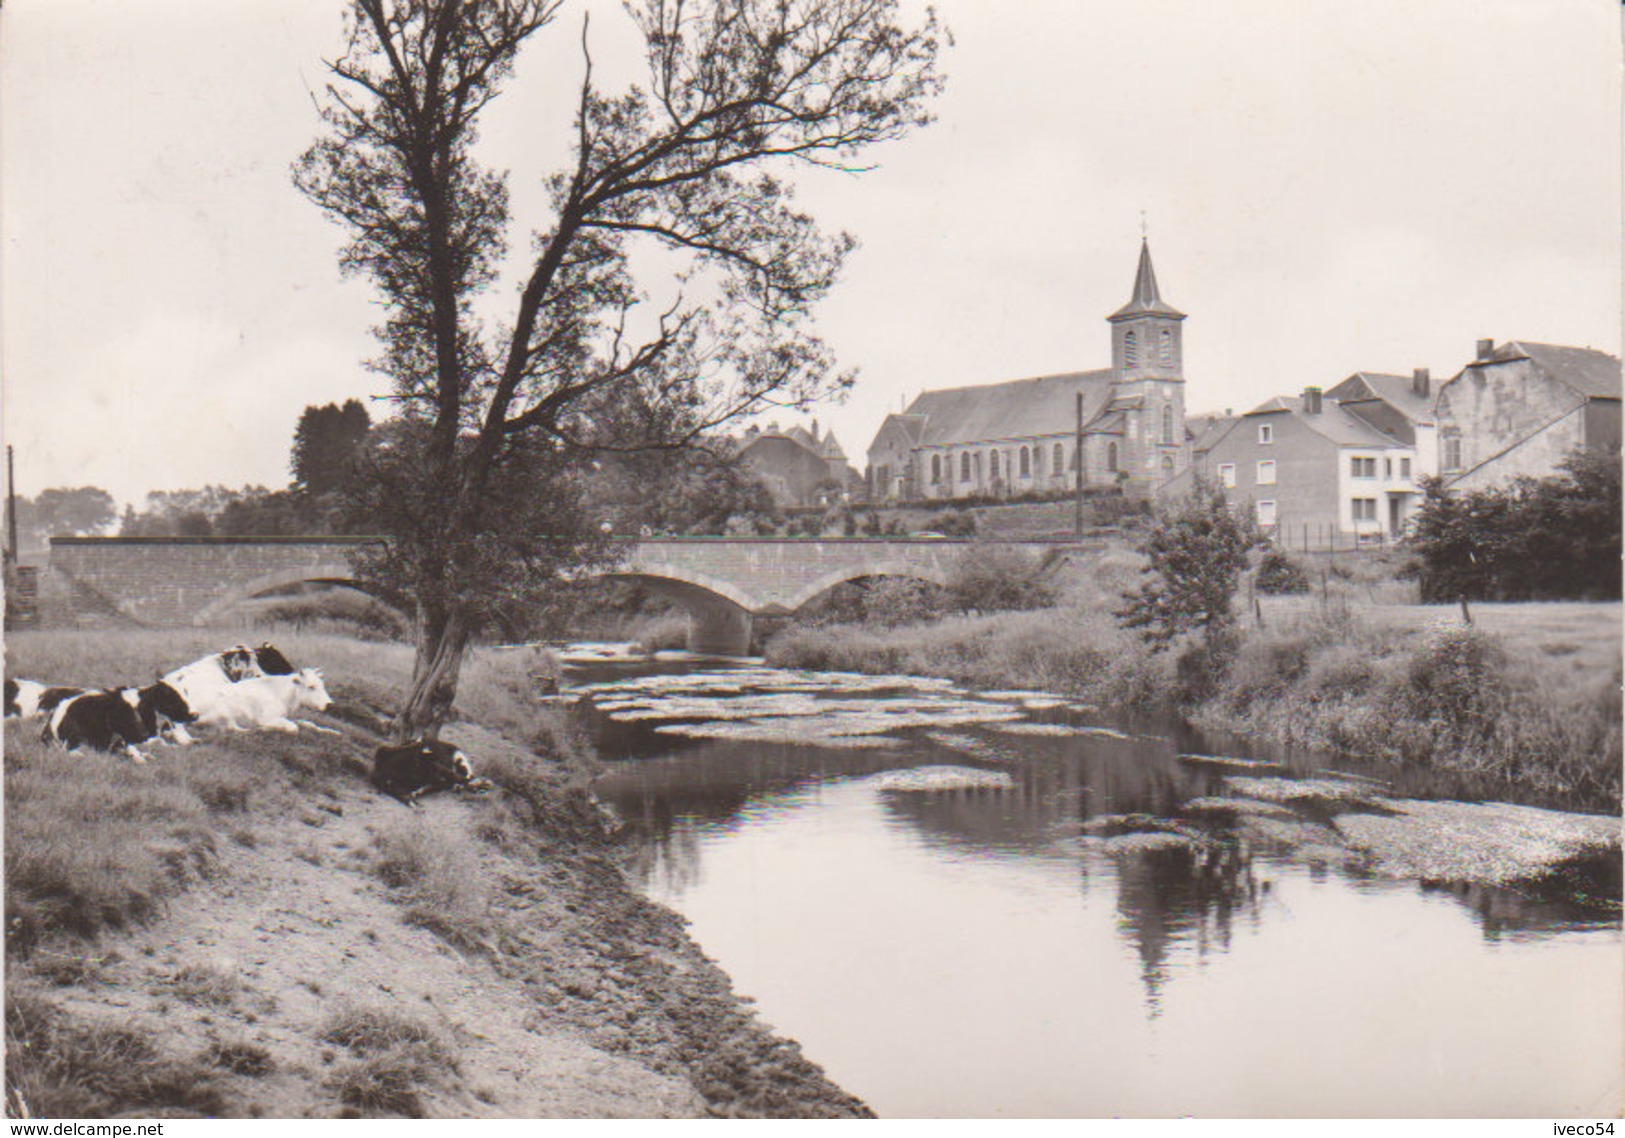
[893,601]
[953,523]
[999,578]
[1279,575]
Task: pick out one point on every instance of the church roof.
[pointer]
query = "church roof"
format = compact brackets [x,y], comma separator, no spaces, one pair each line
[1022,408]
[1146,301]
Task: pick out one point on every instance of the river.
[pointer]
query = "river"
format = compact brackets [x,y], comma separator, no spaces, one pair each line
[972,904]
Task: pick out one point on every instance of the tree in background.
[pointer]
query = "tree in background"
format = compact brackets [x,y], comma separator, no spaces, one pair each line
[1197,549]
[1555,538]
[677,491]
[691,163]
[63,512]
[325,445]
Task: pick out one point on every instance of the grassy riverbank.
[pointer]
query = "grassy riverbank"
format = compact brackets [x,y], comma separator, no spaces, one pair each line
[1528,697]
[245,928]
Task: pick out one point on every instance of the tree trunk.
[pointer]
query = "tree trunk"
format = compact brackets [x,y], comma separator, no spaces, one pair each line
[442,640]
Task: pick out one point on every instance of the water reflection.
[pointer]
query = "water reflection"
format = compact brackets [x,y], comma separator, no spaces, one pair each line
[1078,938]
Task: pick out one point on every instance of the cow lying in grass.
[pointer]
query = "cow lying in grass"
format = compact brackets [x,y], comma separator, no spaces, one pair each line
[423,766]
[246,688]
[115,719]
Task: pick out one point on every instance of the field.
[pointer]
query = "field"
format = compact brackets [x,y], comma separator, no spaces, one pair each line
[245,928]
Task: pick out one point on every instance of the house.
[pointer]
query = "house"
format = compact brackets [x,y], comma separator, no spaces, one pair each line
[1312,471]
[1522,408]
[798,466]
[1022,436]
[1402,406]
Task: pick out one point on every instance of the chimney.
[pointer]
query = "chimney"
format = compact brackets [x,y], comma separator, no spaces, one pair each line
[815,430]
[1311,401]
[1486,350]
[1421,382]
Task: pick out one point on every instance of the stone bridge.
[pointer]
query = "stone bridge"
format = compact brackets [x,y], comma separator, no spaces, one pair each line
[726,583]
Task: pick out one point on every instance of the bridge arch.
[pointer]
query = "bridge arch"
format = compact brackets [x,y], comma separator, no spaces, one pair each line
[930,574]
[270,582]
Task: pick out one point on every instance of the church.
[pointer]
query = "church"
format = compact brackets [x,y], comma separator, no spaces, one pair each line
[1021,437]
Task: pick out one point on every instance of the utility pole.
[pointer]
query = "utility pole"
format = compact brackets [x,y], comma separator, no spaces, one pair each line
[11,509]
[1077,457]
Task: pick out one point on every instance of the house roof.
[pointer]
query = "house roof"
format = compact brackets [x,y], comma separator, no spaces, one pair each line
[1146,300]
[1395,390]
[1334,423]
[1594,374]
[1022,408]
[1206,430]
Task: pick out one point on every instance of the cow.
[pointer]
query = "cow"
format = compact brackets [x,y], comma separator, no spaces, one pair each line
[262,701]
[100,720]
[27,698]
[202,681]
[164,711]
[423,766]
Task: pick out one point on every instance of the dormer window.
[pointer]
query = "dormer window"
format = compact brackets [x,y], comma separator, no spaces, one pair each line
[1266,433]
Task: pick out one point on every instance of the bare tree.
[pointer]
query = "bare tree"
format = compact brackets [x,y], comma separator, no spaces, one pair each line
[694,160]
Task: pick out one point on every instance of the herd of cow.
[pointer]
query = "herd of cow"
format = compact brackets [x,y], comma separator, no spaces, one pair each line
[240,689]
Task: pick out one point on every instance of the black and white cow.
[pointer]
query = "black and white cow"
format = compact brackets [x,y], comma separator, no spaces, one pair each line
[102,720]
[26,698]
[164,712]
[411,770]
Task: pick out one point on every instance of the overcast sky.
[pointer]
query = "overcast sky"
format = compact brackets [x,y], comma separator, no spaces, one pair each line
[1328,187]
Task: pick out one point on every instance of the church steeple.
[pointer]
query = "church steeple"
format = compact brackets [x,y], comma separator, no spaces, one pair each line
[1145,331]
[1146,300]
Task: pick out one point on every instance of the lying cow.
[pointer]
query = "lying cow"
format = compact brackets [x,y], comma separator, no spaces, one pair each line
[117,718]
[411,770]
[261,701]
[102,720]
[27,698]
[195,681]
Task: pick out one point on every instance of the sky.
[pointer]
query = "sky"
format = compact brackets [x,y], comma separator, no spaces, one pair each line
[1326,187]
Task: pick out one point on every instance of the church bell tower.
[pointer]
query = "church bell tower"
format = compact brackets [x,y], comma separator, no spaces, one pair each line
[1148,379]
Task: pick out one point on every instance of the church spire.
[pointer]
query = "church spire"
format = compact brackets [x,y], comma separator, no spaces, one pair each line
[1146,300]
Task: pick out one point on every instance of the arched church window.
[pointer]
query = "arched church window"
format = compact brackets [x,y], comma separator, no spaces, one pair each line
[936,468]
[993,463]
[1026,463]
[1131,349]
[1168,424]
[1059,466]
[1167,466]
[1111,457]
[1165,348]
[964,466]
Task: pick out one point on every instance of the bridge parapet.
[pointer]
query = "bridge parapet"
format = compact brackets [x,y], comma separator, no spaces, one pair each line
[726,582]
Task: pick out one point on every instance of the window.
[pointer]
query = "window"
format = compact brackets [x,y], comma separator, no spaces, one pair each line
[1387,467]
[1165,348]
[1363,467]
[1365,509]
[1038,461]
[1266,472]
[1026,463]
[1060,461]
[993,463]
[964,466]
[1404,468]
[1227,474]
[1167,424]
[1131,349]
[1167,466]
[936,468]
[1266,434]
[1111,457]
[1452,452]
[1266,512]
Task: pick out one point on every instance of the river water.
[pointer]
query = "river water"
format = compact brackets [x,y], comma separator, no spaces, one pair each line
[1006,904]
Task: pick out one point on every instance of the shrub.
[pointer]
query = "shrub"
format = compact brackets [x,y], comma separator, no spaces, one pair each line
[893,601]
[1456,680]
[998,578]
[953,523]
[1279,575]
